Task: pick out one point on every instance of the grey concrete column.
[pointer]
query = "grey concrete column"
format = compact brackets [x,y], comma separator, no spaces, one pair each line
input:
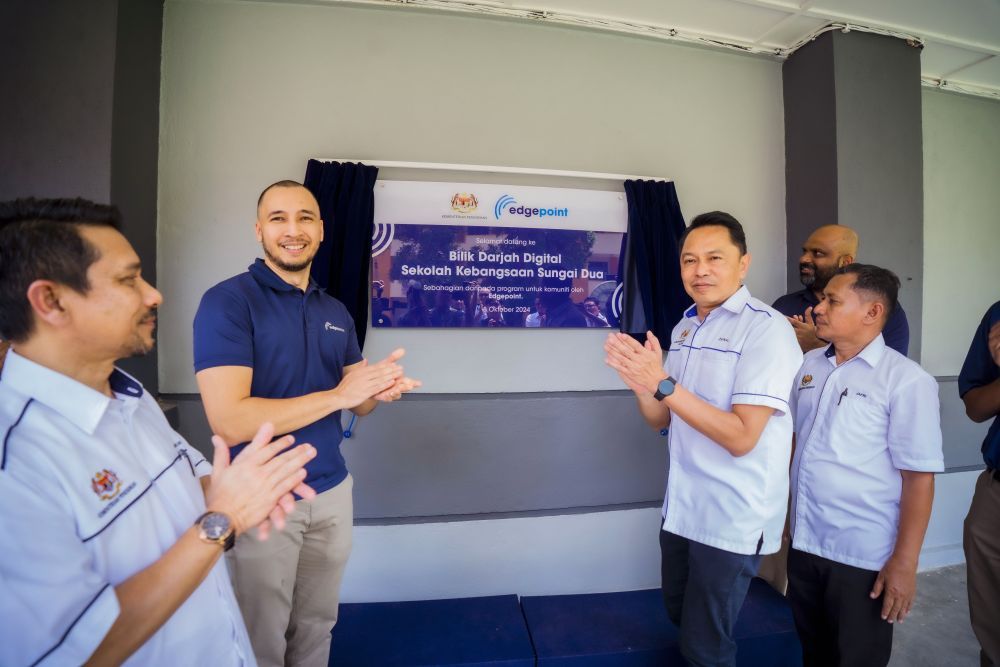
[854,154]
[135,136]
[80,116]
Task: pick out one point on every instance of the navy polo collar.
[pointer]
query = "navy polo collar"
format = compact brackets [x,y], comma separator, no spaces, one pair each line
[809,296]
[263,274]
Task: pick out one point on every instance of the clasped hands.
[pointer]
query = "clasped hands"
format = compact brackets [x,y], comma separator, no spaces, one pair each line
[640,366]
[384,381]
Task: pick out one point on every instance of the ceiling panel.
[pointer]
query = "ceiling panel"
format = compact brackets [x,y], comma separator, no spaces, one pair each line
[792,30]
[715,17]
[985,74]
[966,20]
[940,60]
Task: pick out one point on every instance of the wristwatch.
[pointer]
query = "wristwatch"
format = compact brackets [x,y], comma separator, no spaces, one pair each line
[665,388]
[216,528]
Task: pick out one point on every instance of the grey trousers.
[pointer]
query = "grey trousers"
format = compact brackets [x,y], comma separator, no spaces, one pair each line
[982,558]
[288,586]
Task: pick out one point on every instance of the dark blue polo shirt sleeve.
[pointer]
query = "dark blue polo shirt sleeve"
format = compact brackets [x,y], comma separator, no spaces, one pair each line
[979,368]
[897,331]
[223,330]
[790,304]
[352,354]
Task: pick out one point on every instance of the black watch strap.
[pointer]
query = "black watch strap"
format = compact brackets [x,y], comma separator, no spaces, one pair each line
[659,395]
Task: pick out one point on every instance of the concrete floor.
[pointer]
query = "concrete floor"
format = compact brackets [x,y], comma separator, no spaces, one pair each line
[937,632]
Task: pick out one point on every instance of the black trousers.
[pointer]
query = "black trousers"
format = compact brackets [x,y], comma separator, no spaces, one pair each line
[703,590]
[838,623]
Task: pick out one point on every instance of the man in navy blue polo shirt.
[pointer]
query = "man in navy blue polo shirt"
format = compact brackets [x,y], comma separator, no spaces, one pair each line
[827,249]
[270,345]
[979,387]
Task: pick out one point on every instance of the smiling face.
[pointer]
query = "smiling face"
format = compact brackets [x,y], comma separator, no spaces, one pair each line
[289,228]
[826,250]
[116,317]
[712,267]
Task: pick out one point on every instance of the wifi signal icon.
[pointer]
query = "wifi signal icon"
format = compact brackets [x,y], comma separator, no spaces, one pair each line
[382,235]
[502,203]
[616,302]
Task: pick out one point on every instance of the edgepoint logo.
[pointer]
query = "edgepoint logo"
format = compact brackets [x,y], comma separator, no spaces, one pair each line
[507,204]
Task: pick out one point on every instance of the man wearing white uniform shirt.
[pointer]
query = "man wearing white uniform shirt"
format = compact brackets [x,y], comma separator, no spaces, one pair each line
[868,442]
[724,394]
[109,554]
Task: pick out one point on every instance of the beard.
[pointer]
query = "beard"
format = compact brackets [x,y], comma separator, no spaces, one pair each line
[291,267]
[819,278]
[139,345]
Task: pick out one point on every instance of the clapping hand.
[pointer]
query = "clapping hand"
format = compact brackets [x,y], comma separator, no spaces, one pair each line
[639,366]
[255,488]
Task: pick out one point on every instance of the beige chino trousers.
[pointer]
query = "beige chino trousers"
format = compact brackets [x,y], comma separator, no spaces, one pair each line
[288,586]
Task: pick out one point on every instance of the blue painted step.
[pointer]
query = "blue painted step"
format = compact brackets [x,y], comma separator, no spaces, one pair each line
[632,629]
[467,631]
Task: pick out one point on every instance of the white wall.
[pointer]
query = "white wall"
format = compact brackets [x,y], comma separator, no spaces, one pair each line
[547,555]
[251,90]
[961,223]
[561,555]
[961,142]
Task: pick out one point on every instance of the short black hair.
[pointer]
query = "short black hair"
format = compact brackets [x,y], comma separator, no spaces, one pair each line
[879,282]
[40,240]
[719,219]
[287,183]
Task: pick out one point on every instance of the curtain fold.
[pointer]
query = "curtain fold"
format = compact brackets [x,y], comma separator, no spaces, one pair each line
[346,197]
[653,296]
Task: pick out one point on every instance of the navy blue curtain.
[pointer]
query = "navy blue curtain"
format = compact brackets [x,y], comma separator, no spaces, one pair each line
[346,197]
[654,296]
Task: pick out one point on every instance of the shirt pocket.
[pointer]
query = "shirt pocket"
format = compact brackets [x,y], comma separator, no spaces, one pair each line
[860,427]
[714,377]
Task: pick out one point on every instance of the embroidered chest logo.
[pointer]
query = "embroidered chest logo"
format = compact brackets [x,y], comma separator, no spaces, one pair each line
[684,334]
[332,327]
[806,380]
[106,484]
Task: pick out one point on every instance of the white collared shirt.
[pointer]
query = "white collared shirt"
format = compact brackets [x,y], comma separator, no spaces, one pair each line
[745,352]
[857,425]
[93,490]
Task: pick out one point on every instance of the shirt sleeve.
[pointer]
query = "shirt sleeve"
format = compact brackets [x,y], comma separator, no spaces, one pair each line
[787,305]
[56,607]
[767,366]
[223,331]
[915,426]
[897,331]
[352,354]
[793,399]
[979,368]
